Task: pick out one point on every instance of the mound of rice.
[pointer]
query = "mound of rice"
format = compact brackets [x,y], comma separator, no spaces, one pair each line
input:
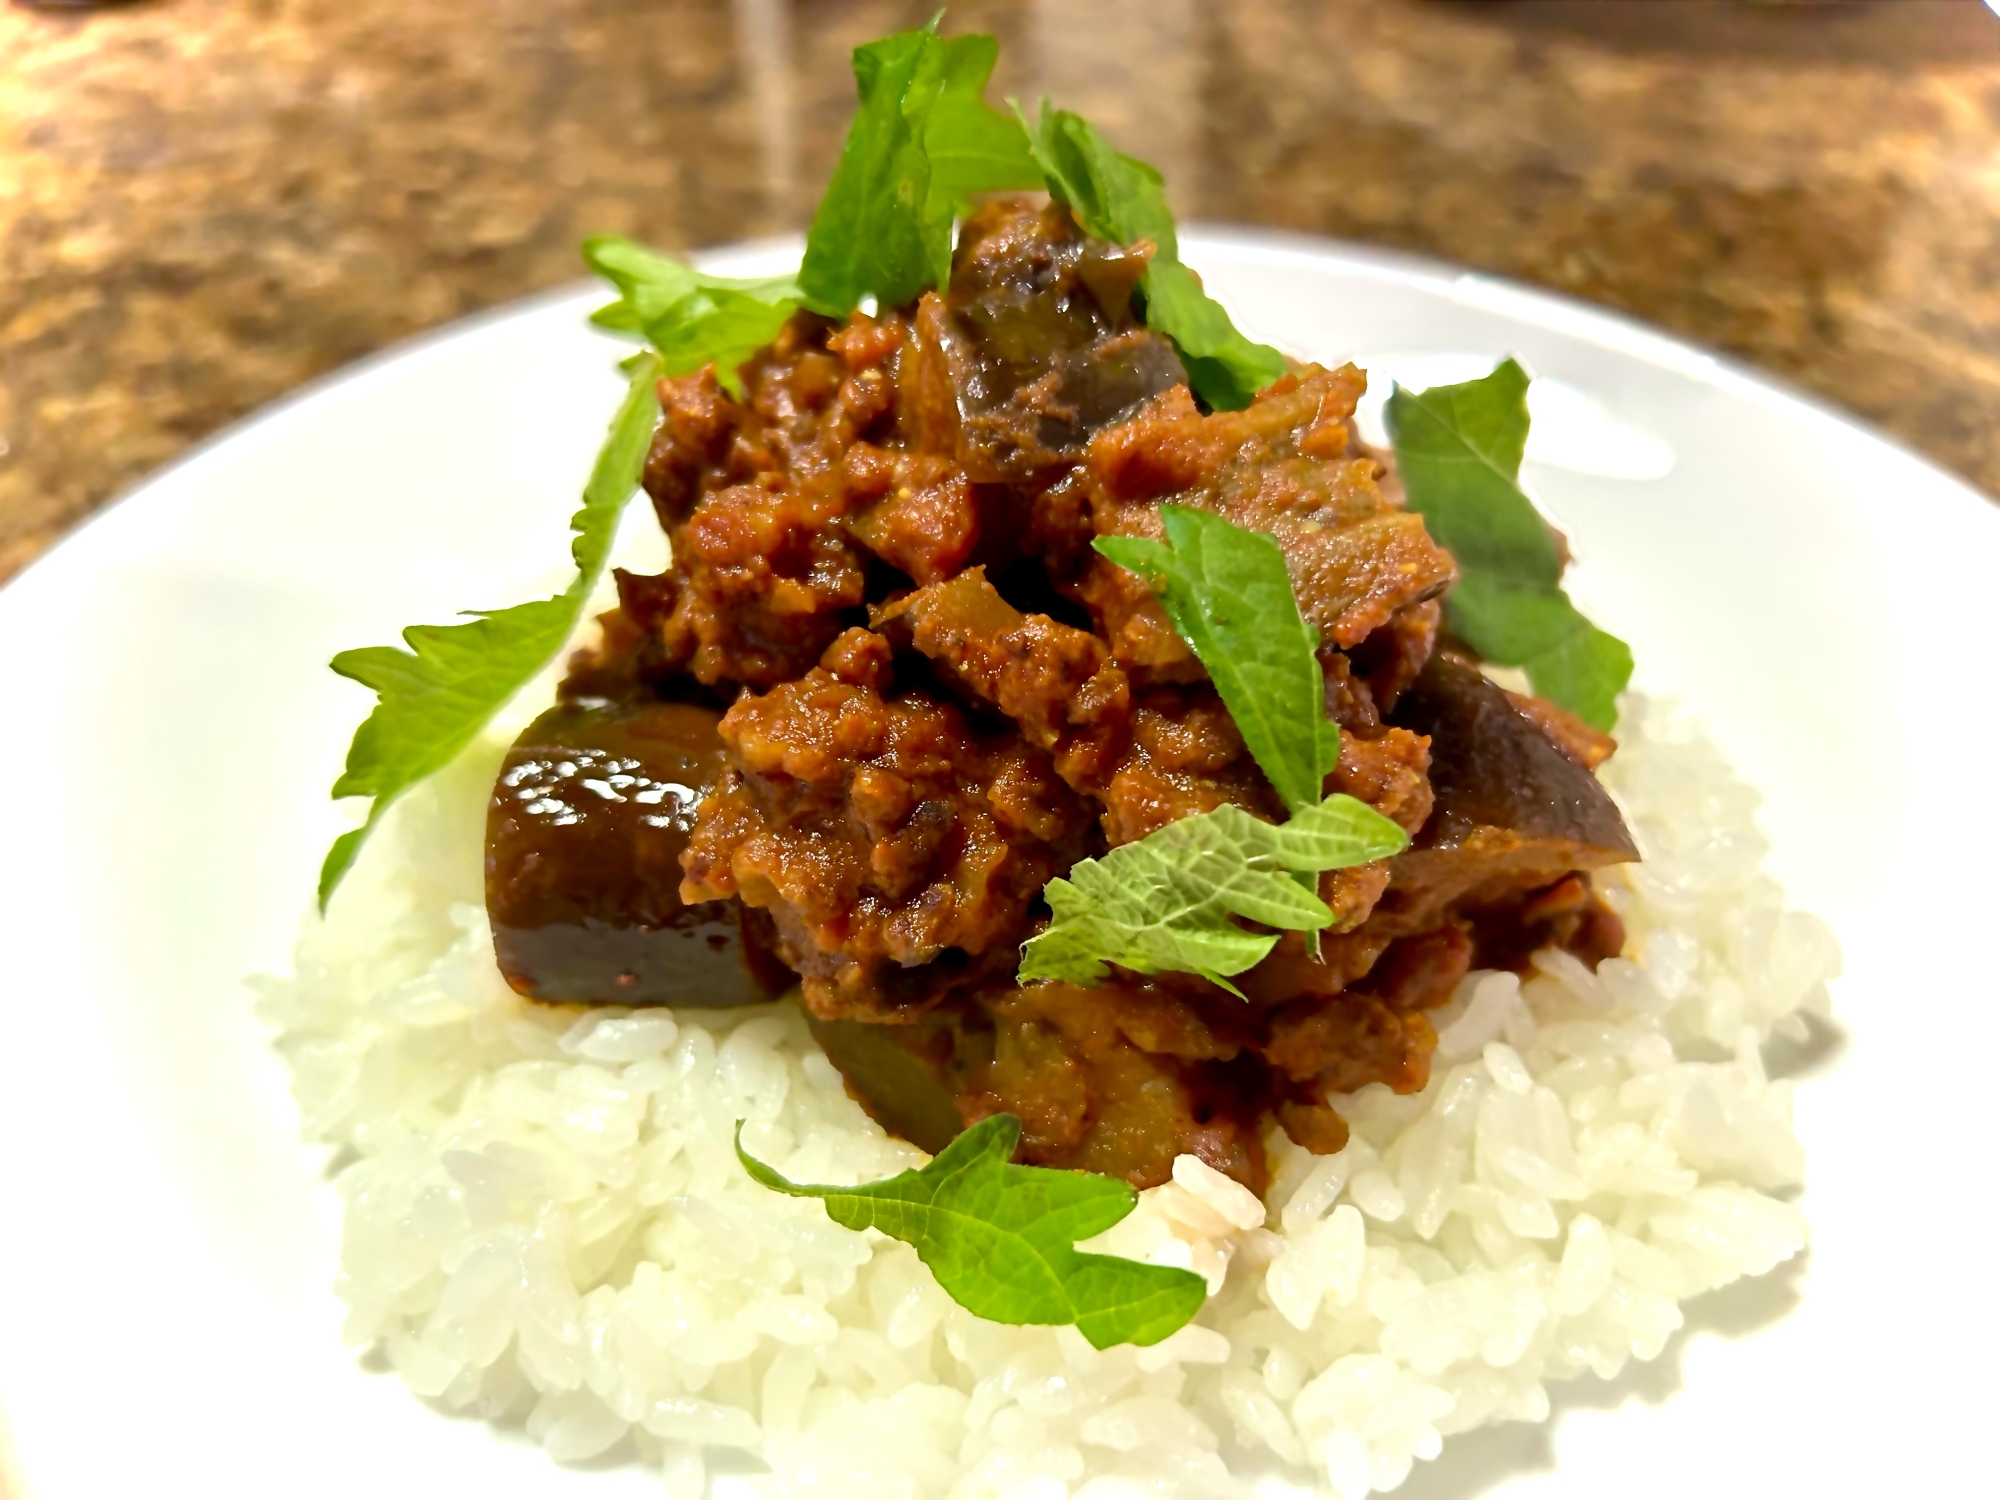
[545,1220]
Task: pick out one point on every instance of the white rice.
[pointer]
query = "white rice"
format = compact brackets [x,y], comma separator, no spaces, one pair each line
[545,1220]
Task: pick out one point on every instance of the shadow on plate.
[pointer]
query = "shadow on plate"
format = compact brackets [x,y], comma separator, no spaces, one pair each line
[1824,1044]
[1475,1462]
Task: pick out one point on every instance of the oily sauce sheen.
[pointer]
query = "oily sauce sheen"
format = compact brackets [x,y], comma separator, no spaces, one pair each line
[887,690]
[584,835]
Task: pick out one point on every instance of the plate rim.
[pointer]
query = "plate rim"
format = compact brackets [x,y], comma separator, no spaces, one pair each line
[1582,320]
[1606,327]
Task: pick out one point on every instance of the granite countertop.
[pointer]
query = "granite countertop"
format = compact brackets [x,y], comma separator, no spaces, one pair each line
[204,203]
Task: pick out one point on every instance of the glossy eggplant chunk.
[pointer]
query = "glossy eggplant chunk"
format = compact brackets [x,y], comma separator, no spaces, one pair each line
[1512,813]
[584,834]
[1034,346]
[1492,766]
[902,1075]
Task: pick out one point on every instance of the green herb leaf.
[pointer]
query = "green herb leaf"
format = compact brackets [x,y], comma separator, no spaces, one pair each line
[434,697]
[973,147]
[922,142]
[1119,198]
[1228,595]
[1001,1239]
[690,317]
[1459,450]
[614,476]
[1169,900]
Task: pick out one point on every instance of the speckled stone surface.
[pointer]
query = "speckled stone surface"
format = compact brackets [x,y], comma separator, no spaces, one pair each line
[205,202]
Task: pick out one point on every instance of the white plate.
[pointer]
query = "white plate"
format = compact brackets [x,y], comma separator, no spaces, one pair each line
[1823,601]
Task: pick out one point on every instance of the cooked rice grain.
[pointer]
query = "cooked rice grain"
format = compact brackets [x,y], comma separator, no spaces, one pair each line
[546,1220]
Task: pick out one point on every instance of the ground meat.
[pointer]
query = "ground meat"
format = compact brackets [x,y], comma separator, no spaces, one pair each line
[1052,680]
[757,497]
[1588,747]
[921,516]
[1186,757]
[1149,760]
[1390,771]
[893,845]
[1103,1103]
[939,696]
[1389,660]
[1281,466]
[765,584]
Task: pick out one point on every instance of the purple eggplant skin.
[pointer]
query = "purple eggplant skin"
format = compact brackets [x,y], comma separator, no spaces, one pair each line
[584,833]
[1511,810]
[1493,767]
[900,1074]
[1035,344]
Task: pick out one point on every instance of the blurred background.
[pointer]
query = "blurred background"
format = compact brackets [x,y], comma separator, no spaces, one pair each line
[204,203]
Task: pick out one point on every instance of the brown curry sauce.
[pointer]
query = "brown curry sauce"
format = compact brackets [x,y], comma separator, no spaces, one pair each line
[938,698]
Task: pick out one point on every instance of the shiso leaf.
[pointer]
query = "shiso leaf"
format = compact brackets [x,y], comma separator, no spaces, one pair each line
[973,147]
[1120,198]
[1001,1239]
[1459,450]
[691,318]
[922,142]
[1169,901]
[1227,593]
[435,696]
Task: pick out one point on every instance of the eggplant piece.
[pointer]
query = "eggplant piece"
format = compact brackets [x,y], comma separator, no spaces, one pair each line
[902,1075]
[1512,812]
[584,834]
[1088,1095]
[1494,767]
[1034,345]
